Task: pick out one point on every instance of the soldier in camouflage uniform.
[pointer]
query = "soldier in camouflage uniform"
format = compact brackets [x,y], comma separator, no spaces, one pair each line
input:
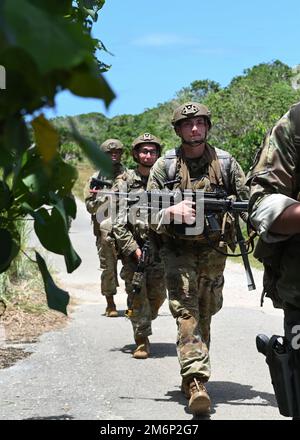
[275,214]
[194,270]
[130,239]
[106,248]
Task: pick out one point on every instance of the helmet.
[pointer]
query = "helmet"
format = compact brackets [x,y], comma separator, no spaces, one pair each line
[111,144]
[190,110]
[147,138]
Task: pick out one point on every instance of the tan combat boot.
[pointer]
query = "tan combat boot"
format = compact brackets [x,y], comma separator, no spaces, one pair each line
[185,388]
[111,310]
[142,350]
[199,402]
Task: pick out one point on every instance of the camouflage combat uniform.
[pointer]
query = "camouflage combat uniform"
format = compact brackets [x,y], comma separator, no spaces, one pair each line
[275,185]
[129,238]
[105,244]
[194,271]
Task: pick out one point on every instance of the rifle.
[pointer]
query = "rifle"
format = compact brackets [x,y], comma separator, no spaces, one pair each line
[215,202]
[98,184]
[244,254]
[138,277]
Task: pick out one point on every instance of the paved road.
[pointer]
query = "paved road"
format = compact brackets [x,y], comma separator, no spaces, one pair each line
[85,371]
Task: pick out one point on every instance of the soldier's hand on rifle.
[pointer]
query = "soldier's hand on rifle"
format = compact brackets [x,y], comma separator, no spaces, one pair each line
[94,190]
[137,254]
[183,211]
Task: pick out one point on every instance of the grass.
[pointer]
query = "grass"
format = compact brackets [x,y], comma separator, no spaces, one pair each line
[254,263]
[21,286]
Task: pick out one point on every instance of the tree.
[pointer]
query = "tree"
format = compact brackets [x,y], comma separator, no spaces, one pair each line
[45,46]
[198,90]
[245,110]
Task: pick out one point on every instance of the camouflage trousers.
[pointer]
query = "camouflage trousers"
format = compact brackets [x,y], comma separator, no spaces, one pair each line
[108,263]
[194,277]
[152,295]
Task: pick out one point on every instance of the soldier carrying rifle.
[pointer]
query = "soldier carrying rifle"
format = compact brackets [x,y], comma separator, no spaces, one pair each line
[194,264]
[142,270]
[104,241]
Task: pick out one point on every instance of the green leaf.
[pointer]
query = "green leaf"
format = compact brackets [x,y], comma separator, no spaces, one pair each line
[6,159]
[36,179]
[70,206]
[34,30]
[63,177]
[52,231]
[16,135]
[91,4]
[47,138]
[58,7]
[8,250]
[92,151]
[57,298]
[92,85]
[6,196]
[24,89]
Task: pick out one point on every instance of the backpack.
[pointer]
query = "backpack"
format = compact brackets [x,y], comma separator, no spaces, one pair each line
[224,160]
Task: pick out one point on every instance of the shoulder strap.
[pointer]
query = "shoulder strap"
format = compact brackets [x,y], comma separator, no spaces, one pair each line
[170,163]
[295,118]
[224,159]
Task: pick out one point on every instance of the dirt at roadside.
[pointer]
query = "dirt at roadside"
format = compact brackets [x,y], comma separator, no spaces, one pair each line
[21,324]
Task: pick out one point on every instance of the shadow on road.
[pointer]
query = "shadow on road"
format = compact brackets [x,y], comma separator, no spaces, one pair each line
[60,417]
[158,349]
[121,314]
[228,393]
[235,394]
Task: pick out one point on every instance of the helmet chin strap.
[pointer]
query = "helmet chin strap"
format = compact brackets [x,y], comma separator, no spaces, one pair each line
[194,143]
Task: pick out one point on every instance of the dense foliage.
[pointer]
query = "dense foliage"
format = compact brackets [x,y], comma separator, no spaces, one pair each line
[241,113]
[45,46]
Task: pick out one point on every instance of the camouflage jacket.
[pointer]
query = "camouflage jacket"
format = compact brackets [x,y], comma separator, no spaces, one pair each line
[129,235]
[198,171]
[94,200]
[275,177]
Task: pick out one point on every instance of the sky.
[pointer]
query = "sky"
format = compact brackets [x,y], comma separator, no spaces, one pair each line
[161,46]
